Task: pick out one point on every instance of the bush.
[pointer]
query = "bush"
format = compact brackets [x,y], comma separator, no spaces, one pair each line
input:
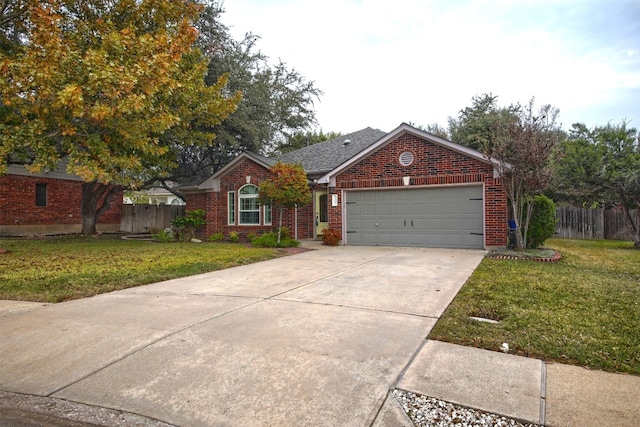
[270,240]
[164,236]
[284,232]
[542,225]
[187,224]
[234,236]
[331,237]
[216,237]
[251,236]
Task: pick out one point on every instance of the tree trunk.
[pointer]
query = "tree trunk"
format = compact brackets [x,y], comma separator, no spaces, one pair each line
[517,217]
[280,208]
[634,223]
[91,209]
[635,227]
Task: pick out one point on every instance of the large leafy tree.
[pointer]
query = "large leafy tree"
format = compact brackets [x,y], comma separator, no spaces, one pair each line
[577,163]
[277,102]
[476,126]
[287,187]
[303,139]
[12,23]
[102,82]
[602,165]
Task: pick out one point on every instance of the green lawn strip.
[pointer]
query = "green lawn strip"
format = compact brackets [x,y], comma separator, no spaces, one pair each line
[582,310]
[60,269]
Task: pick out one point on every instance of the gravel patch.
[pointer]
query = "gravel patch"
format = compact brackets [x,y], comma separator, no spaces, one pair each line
[21,410]
[427,411]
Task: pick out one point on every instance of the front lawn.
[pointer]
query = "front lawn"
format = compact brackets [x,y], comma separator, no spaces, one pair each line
[65,268]
[582,310]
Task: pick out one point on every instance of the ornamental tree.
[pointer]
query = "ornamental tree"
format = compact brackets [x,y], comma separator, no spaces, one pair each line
[522,142]
[103,82]
[286,188]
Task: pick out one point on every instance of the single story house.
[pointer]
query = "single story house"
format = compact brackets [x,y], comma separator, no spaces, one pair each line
[402,188]
[46,203]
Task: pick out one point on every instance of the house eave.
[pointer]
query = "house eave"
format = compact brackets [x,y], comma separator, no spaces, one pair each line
[20,170]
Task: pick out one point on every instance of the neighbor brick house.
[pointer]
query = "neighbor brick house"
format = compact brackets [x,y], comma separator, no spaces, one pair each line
[402,188]
[47,203]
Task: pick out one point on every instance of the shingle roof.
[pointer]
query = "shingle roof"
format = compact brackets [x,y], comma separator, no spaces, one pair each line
[261,159]
[325,156]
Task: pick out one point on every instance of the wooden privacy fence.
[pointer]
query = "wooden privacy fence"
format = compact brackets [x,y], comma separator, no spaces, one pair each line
[584,223]
[148,218]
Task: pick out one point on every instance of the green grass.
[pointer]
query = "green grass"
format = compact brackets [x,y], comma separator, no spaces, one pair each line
[582,310]
[65,268]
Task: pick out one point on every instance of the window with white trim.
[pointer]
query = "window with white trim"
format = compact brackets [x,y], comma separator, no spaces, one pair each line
[267,214]
[248,206]
[231,208]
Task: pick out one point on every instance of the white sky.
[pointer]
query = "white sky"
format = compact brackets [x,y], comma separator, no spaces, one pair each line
[384,62]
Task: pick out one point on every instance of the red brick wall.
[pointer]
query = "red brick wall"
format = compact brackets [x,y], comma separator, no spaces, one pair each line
[495,205]
[18,202]
[433,165]
[215,204]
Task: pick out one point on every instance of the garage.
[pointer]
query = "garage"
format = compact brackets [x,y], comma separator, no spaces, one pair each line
[442,217]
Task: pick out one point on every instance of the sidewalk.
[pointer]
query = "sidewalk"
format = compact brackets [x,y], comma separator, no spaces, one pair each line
[525,389]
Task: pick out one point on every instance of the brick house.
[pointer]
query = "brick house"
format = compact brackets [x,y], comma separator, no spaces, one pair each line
[402,188]
[47,203]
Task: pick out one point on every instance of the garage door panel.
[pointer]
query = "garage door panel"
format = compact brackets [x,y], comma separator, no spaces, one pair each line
[384,210]
[398,224]
[435,217]
[400,209]
[368,197]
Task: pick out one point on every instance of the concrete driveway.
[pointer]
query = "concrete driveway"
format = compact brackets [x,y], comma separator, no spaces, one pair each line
[316,338]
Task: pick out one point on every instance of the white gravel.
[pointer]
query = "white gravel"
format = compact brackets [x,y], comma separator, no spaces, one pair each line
[427,411]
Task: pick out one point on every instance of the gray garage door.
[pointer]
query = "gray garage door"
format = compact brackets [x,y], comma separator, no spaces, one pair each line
[443,217]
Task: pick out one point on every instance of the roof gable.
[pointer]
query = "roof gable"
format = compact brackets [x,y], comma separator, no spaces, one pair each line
[393,135]
[213,181]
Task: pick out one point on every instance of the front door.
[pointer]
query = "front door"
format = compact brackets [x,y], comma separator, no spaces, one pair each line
[322,212]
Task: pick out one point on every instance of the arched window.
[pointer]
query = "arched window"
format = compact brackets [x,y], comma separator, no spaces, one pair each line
[249,208]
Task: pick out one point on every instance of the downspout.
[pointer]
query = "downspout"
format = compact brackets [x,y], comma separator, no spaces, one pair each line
[295,221]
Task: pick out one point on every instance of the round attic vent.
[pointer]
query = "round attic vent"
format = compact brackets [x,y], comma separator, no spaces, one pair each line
[406,158]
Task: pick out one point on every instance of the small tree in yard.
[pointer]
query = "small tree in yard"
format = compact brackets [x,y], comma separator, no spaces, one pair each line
[522,144]
[287,188]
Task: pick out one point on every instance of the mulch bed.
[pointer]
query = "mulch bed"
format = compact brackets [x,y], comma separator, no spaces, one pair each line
[294,251]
